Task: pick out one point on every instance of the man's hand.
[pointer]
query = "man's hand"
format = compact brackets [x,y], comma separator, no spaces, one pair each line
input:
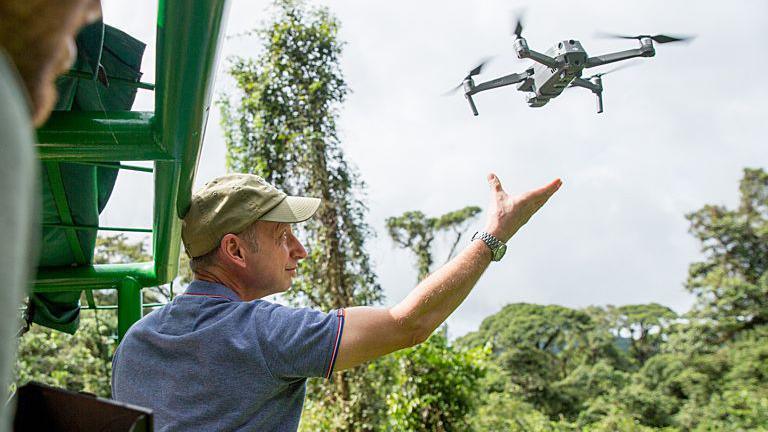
[506,214]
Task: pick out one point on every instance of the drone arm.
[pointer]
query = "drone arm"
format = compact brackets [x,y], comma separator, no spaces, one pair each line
[498,82]
[522,50]
[541,58]
[581,82]
[645,51]
[596,88]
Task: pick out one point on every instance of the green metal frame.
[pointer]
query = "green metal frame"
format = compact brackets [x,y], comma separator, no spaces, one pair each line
[189,34]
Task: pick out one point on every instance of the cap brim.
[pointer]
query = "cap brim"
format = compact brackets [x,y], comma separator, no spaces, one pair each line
[292,209]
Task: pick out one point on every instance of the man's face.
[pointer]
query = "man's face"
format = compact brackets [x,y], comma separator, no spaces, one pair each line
[273,266]
[39,36]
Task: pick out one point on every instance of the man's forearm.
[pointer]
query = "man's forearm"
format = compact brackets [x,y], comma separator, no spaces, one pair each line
[438,295]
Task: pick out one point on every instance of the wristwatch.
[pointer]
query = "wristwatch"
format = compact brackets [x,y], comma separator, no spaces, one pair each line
[497,247]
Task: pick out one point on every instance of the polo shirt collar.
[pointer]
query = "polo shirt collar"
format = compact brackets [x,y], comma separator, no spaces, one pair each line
[211,289]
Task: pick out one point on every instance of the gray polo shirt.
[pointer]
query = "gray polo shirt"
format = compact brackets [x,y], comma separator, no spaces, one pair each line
[208,361]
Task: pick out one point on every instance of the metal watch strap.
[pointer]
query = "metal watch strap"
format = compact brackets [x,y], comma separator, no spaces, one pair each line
[492,242]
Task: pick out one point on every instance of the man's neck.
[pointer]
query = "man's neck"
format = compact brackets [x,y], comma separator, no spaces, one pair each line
[222,278]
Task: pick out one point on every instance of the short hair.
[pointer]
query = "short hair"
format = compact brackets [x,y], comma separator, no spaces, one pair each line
[210,259]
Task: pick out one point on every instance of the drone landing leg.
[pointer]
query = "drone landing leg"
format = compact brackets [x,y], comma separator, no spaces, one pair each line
[471,104]
[596,88]
[599,102]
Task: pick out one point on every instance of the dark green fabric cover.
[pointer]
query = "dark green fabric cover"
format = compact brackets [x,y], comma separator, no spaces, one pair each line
[103,52]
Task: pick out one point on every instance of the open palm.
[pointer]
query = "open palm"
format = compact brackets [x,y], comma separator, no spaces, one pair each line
[506,213]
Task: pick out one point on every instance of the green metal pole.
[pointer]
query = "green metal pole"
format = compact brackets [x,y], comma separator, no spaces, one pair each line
[182,102]
[128,305]
[102,276]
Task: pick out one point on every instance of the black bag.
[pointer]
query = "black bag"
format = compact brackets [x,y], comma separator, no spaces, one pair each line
[43,408]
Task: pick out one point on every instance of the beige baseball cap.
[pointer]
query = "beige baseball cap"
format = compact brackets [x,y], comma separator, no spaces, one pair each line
[231,203]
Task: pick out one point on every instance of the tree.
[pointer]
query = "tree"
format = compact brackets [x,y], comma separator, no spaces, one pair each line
[644,327]
[282,125]
[79,362]
[434,385]
[415,231]
[549,353]
[731,284]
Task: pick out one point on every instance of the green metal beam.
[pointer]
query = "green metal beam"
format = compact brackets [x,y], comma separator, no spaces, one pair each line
[166,241]
[99,137]
[122,166]
[128,305]
[185,80]
[102,276]
[182,102]
[96,228]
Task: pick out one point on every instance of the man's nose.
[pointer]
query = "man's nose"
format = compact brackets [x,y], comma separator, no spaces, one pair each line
[297,249]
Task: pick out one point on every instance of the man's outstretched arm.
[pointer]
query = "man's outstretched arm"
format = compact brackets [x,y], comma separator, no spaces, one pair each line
[371,332]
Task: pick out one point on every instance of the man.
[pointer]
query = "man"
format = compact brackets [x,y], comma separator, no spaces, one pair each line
[36,45]
[218,358]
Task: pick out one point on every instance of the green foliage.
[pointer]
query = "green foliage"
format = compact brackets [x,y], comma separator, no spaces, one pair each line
[500,411]
[435,386]
[415,231]
[79,362]
[645,327]
[116,249]
[550,353]
[731,285]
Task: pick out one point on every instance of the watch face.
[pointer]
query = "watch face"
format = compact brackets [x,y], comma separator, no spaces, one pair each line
[499,253]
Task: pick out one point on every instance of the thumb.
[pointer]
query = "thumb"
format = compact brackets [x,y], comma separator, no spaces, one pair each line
[494,183]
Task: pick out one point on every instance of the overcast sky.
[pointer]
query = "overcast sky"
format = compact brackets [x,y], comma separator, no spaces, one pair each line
[676,133]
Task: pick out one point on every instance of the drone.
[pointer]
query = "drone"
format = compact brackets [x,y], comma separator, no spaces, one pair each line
[559,67]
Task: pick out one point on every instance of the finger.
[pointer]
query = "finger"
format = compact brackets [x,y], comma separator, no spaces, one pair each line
[495,183]
[548,190]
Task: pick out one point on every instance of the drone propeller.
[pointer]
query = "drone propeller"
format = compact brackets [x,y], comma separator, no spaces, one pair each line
[609,71]
[662,39]
[475,71]
[612,70]
[517,24]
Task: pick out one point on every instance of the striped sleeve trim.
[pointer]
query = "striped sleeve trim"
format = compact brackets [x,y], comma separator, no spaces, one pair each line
[341,314]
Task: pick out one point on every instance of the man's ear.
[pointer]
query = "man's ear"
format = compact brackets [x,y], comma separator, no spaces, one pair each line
[232,248]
